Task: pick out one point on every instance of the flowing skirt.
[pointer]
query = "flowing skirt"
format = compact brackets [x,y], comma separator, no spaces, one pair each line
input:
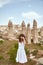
[21,56]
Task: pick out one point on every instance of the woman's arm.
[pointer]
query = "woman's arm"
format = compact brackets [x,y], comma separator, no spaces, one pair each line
[25,41]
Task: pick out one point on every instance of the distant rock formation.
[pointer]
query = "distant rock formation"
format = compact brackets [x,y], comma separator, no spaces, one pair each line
[11,31]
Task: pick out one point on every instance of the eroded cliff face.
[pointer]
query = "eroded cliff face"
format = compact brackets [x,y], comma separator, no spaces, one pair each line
[11,31]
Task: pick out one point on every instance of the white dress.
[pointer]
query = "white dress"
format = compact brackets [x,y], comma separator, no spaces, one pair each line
[21,55]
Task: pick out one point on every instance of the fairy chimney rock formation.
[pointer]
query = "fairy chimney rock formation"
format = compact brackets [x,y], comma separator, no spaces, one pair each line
[23,26]
[28,34]
[35,32]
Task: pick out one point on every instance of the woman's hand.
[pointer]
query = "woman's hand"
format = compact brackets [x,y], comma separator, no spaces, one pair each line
[24,40]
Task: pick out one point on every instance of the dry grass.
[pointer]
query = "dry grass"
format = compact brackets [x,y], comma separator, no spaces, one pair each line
[5,47]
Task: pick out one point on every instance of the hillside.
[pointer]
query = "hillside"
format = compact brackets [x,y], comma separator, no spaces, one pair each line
[6,45]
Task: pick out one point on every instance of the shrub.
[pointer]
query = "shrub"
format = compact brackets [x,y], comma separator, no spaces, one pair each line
[39,64]
[35,52]
[1,57]
[27,50]
[12,53]
[39,44]
[1,41]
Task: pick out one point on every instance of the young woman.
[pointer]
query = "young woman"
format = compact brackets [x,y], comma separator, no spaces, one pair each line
[21,55]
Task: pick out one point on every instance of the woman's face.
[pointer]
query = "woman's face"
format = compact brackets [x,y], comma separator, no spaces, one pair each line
[22,38]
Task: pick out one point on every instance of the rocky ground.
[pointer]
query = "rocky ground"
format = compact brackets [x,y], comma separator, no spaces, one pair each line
[6,45]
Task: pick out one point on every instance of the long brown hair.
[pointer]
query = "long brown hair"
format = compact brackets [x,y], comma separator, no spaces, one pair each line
[22,35]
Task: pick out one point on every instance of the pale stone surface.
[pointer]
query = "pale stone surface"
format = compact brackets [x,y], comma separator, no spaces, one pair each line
[40,60]
[35,32]
[41,30]
[12,31]
[28,34]
[23,26]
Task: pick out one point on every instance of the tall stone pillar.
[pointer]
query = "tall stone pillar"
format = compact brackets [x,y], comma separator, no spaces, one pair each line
[23,26]
[41,30]
[28,34]
[35,32]
[10,30]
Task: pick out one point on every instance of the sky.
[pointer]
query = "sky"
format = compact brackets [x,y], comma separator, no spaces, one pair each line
[19,10]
